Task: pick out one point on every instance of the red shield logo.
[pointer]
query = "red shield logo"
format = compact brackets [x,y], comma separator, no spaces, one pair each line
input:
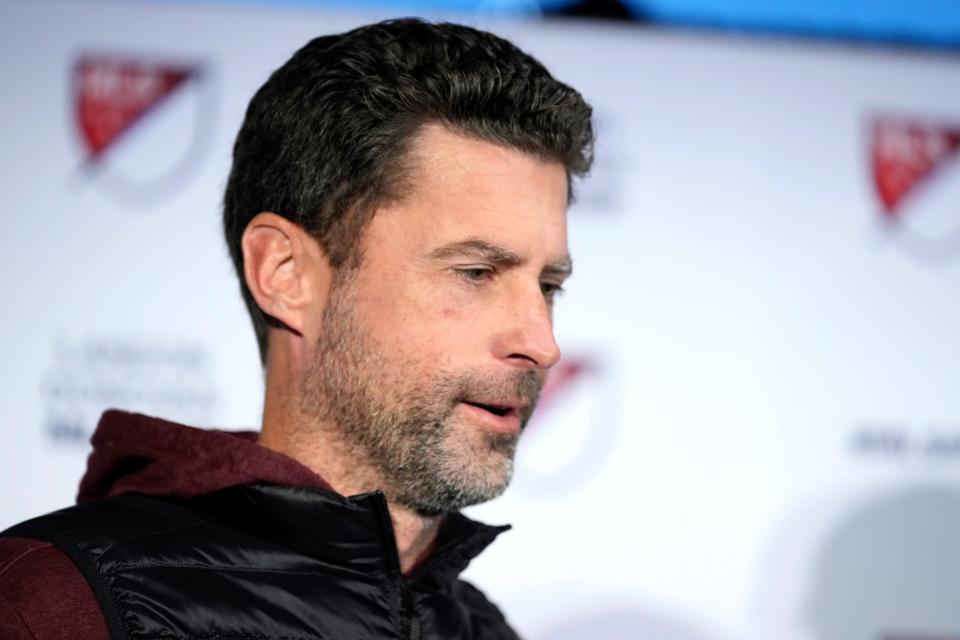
[141,124]
[915,178]
[112,94]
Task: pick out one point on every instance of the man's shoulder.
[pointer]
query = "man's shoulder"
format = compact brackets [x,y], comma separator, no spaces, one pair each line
[107,550]
[486,619]
[43,595]
[49,585]
[96,535]
[106,520]
[129,533]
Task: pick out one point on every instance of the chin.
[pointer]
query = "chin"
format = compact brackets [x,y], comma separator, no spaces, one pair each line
[463,483]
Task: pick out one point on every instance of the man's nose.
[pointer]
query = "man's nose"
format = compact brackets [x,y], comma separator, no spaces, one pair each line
[527,339]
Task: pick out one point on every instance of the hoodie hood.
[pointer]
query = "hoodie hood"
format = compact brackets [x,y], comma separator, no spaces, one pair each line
[134,453]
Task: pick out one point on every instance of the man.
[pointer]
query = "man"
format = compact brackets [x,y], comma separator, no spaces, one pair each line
[396,213]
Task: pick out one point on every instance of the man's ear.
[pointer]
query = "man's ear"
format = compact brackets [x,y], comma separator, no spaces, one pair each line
[285,269]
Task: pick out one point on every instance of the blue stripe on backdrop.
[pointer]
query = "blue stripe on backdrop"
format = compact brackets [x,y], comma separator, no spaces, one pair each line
[935,22]
[923,22]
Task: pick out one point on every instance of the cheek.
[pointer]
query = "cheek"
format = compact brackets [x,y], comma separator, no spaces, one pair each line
[447,326]
[463,308]
[448,320]
[451,312]
[428,319]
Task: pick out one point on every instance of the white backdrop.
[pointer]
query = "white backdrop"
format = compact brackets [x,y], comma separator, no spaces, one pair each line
[757,430]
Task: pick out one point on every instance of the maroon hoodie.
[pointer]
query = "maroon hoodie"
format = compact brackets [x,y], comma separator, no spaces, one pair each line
[43,595]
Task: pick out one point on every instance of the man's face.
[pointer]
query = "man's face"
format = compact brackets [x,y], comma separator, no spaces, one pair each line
[431,354]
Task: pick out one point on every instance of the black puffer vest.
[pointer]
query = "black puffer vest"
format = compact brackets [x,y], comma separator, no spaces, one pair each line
[258,562]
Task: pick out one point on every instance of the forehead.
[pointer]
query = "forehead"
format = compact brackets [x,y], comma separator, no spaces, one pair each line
[460,187]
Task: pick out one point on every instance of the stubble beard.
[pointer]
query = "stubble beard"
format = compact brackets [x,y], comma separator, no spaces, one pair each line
[399,418]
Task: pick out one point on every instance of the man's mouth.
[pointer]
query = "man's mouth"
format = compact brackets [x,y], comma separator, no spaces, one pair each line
[497,416]
[496,409]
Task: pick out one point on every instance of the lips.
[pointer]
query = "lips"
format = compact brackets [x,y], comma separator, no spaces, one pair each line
[496,409]
[495,415]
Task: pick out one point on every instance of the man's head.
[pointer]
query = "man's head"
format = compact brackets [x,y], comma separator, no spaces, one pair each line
[396,212]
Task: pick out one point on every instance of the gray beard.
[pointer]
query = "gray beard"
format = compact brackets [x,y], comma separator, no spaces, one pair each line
[402,425]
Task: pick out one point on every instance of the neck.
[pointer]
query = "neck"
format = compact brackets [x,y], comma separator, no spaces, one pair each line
[318,447]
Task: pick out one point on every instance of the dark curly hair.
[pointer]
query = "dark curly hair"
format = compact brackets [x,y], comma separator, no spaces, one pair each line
[324,140]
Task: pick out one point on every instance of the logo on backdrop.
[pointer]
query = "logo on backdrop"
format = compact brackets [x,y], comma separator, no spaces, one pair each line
[574,430]
[916,174]
[141,122]
[169,378]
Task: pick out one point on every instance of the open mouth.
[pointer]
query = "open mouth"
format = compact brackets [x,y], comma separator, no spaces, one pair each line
[497,410]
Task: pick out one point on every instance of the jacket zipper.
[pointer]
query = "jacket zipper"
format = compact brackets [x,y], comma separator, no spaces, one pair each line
[409,620]
[410,617]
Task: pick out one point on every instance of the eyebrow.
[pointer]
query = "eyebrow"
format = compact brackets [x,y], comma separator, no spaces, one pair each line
[501,256]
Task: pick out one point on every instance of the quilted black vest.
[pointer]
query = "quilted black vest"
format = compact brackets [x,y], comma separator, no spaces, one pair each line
[268,562]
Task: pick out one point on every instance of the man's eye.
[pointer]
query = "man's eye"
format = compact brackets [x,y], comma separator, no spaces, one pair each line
[475,274]
[550,290]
